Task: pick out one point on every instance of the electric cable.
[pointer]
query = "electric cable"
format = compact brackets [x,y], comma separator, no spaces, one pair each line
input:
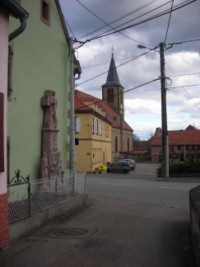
[110,24]
[182,86]
[98,75]
[138,23]
[142,15]
[186,74]
[65,20]
[124,92]
[183,42]
[170,14]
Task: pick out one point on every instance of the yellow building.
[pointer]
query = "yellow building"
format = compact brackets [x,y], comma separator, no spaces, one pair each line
[93,132]
[104,135]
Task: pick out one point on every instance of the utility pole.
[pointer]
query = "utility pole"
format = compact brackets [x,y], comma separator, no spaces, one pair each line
[165,145]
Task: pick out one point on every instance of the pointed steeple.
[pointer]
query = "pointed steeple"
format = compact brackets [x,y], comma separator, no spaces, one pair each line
[112,78]
[112,90]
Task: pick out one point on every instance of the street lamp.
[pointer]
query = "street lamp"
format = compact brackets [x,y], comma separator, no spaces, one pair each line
[165,145]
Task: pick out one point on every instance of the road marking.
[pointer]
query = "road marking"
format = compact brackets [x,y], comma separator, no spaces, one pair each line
[173,188]
[115,184]
[135,185]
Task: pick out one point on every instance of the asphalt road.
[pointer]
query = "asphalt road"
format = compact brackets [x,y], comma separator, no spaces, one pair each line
[129,221]
[142,186]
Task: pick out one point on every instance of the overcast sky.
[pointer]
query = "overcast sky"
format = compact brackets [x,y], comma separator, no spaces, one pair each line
[89,19]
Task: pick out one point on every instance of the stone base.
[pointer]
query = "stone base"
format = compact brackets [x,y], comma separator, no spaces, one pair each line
[4,236]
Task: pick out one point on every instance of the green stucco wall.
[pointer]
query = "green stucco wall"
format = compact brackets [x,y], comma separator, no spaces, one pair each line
[41,62]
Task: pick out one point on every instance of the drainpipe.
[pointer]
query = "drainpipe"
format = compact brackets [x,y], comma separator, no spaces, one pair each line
[19,13]
[72,141]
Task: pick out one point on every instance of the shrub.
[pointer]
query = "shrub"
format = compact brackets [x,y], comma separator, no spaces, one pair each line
[186,167]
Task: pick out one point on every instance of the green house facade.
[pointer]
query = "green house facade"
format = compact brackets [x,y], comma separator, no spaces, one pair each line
[39,91]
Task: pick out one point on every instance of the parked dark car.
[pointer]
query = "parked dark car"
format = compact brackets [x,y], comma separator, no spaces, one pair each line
[119,166]
[131,162]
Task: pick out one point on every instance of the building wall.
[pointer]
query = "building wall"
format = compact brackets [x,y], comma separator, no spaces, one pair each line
[116,137]
[127,135]
[93,149]
[3,89]
[40,62]
[156,153]
[177,153]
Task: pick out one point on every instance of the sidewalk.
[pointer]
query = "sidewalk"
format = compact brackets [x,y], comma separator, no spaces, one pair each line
[107,233]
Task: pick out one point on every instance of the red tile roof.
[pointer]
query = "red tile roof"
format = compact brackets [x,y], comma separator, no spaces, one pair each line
[111,115]
[179,137]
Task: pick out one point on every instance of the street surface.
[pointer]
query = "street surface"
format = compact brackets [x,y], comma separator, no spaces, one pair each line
[131,220]
[142,186]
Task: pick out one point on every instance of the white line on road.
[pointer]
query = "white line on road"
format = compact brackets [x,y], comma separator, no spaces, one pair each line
[173,188]
[136,185]
[112,184]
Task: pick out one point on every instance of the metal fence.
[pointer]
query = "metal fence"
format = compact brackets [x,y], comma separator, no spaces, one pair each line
[27,198]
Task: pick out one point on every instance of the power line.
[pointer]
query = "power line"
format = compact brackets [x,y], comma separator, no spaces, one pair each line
[140,22]
[181,86]
[124,92]
[107,33]
[183,42]
[58,19]
[140,16]
[116,67]
[186,74]
[96,76]
[90,11]
[153,17]
[110,24]
[169,21]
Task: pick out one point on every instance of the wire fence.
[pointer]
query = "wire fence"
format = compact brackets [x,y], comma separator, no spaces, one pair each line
[27,198]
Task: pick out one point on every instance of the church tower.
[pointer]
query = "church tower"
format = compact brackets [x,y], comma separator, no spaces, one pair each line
[112,90]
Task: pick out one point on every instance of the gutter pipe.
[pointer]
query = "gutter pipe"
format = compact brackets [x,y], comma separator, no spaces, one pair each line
[19,13]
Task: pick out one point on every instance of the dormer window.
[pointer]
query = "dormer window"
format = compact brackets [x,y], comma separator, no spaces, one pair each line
[45,11]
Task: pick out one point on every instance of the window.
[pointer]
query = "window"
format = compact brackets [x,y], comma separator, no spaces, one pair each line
[100,128]
[95,126]
[45,11]
[116,144]
[106,130]
[77,124]
[128,145]
[110,95]
[92,125]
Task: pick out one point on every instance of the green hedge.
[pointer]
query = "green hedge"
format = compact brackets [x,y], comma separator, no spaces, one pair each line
[187,167]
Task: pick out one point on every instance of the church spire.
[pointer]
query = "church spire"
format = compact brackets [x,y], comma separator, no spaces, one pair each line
[112,90]
[112,78]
